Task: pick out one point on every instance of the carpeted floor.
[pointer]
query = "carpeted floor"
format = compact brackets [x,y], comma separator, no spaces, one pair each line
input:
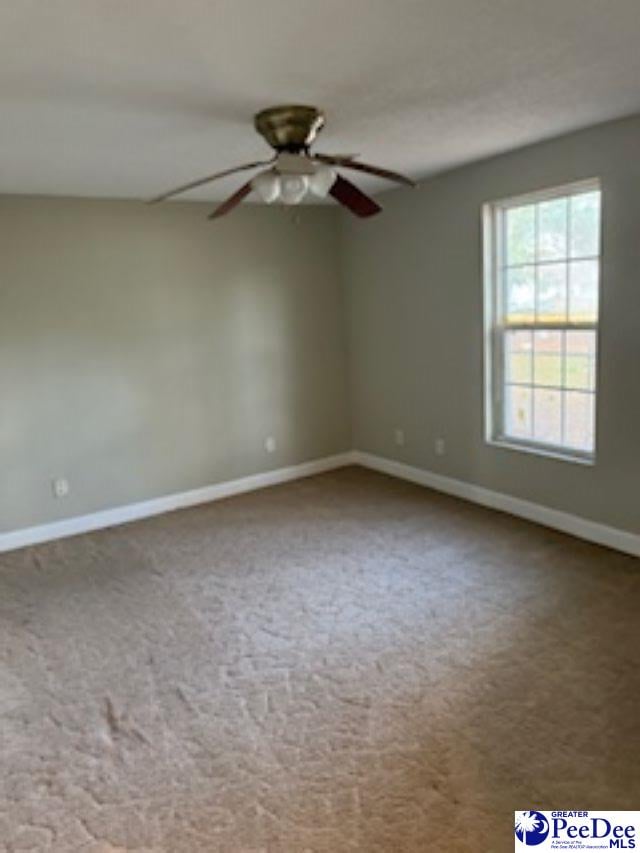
[345,663]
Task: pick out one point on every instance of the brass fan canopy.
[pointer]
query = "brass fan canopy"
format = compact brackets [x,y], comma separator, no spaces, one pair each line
[289,128]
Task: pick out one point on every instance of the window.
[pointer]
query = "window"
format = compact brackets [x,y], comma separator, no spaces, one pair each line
[542,274]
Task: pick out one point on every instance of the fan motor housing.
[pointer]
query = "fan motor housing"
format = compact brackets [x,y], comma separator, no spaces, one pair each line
[291,128]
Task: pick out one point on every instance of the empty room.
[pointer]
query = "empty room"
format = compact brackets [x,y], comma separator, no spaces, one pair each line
[319,426]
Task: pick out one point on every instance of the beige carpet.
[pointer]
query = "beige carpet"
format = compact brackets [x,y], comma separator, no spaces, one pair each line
[345,663]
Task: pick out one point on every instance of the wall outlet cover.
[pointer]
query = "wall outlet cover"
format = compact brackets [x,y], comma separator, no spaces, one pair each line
[398,437]
[60,487]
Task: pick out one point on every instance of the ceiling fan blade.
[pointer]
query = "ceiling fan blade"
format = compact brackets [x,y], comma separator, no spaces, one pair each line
[231,202]
[350,163]
[200,181]
[351,197]
[335,158]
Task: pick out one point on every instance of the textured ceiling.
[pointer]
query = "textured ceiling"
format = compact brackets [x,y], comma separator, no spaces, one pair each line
[126,98]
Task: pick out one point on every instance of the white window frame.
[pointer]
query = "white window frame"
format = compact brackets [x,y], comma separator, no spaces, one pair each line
[494,327]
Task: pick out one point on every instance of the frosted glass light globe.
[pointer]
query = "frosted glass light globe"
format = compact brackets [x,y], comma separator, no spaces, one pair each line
[293,188]
[322,180]
[267,185]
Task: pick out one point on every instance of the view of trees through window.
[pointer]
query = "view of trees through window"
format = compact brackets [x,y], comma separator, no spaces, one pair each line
[546,312]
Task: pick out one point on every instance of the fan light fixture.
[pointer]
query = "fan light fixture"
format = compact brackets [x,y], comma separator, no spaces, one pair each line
[267,185]
[322,180]
[291,189]
[294,171]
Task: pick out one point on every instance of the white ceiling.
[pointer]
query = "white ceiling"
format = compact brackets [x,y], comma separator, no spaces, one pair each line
[125,98]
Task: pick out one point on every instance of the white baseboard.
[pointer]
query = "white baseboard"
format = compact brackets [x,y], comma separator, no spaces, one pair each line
[601,534]
[156,506]
[620,540]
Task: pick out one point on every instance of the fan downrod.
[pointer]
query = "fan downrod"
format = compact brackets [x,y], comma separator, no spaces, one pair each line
[291,127]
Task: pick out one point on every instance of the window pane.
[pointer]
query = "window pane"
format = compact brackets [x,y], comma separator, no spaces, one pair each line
[517,411]
[521,295]
[520,233]
[547,416]
[579,420]
[547,358]
[546,295]
[518,356]
[552,293]
[583,291]
[552,230]
[580,360]
[585,225]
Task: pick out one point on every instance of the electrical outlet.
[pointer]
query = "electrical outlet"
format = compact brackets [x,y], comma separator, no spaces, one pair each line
[398,437]
[440,447]
[270,444]
[60,487]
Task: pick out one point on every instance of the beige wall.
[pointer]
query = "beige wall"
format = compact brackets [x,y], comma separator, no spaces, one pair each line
[146,351]
[415,296]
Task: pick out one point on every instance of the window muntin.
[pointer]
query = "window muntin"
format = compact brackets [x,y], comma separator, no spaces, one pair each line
[543,276]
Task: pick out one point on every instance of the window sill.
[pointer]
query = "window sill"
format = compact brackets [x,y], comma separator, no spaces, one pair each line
[546,452]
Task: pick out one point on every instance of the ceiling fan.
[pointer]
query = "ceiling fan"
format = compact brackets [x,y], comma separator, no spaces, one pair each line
[294,172]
